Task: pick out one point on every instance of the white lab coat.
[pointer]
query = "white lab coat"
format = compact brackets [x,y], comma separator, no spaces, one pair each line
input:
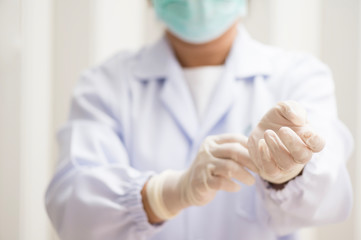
[133,116]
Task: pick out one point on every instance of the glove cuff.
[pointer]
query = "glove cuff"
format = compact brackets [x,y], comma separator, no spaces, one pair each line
[155,194]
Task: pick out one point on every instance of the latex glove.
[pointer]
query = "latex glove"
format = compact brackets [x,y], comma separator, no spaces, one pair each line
[220,160]
[283,142]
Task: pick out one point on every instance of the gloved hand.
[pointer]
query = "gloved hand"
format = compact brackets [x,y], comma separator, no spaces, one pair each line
[283,142]
[220,159]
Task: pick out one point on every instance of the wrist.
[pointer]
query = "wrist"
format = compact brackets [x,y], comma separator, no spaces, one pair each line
[164,194]
[277,186]
[152,217]
[280,186]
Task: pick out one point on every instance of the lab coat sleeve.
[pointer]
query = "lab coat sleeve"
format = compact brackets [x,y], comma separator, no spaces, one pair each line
[323,194]
[95,193]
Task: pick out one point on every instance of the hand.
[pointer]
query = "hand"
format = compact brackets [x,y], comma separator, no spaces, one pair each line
[220,159]
[283,142]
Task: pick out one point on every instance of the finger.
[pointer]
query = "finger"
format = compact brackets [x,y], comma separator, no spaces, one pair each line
[278,151]
[314,141]
[235,152]
[299,151]
[252,146]
[269,166]
[230,169]
[229,185]
[293,112]
[221,183]
[231,138]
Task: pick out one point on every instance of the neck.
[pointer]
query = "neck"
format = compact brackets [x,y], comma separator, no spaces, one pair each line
[208,54]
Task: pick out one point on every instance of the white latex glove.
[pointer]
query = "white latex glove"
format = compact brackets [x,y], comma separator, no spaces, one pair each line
[220,159]
[283,142]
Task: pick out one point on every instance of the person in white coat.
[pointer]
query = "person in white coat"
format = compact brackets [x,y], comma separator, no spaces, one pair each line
[206,134]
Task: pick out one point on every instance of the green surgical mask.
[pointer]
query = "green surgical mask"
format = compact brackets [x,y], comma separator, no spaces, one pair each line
[199,21]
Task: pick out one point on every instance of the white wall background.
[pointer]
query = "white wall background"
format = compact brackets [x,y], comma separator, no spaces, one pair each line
[45,44]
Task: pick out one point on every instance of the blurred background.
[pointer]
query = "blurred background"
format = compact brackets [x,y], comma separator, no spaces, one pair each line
[46,44]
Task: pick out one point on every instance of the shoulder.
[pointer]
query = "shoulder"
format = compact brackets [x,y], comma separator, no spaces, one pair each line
[106,86]
[298,64]
[111,72]
[292,70]
[111,77]
[286,62]
[294,74]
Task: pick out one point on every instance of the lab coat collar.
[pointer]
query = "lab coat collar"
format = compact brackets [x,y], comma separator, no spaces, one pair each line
[247,59]
[158,62]
[155,62]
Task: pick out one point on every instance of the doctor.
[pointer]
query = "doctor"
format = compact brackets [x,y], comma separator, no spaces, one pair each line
[207,134]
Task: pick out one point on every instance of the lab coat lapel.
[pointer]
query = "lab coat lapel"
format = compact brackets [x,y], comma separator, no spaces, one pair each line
[158,63]
[246,62]
[177,99]
[262,100]
[221,101]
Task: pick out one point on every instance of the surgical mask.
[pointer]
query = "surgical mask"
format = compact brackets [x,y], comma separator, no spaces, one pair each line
[199,21]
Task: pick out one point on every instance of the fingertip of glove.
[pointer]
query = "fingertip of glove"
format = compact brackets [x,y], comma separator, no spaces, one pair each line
[294,112]
[316,143]
[251,182]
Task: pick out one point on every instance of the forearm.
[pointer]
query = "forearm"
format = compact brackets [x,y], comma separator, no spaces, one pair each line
[107,193]
[306,200]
